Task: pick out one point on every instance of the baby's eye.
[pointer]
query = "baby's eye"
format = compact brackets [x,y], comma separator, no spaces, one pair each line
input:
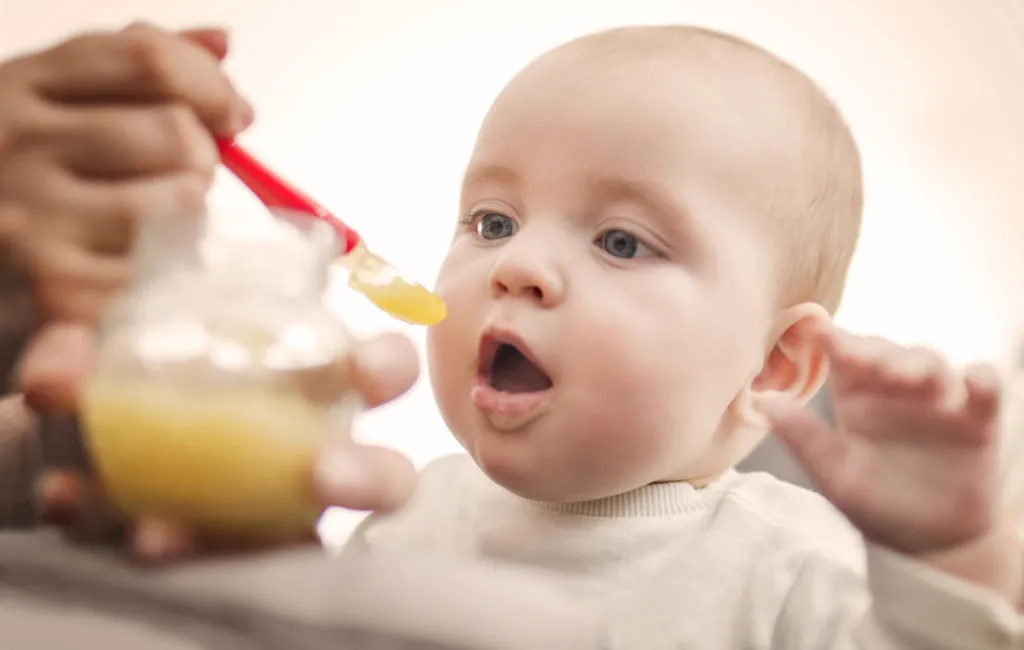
[494,225]
[624,245]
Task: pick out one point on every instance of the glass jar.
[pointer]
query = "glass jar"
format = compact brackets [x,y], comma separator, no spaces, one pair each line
[220,373]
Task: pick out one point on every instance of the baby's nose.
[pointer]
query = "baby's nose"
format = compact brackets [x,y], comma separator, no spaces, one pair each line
[523,271]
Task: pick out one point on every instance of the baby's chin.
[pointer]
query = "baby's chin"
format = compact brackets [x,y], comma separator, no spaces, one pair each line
[519,478]
[542,463]
[552,485]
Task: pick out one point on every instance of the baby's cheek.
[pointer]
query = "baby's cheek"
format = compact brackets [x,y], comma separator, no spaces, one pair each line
[622,392]
[658,390]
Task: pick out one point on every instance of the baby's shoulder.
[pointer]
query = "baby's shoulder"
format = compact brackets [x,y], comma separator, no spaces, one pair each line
[783,504]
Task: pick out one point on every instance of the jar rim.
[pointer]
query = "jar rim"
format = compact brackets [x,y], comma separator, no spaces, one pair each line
[285,250]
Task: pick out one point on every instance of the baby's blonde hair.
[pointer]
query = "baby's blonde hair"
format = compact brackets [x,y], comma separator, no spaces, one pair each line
[816,209]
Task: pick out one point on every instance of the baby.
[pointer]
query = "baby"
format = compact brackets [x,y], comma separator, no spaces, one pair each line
[656,225]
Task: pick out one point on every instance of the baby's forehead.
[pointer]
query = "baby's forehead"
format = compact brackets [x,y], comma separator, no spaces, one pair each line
[699,76]
[712,105]
[675,53]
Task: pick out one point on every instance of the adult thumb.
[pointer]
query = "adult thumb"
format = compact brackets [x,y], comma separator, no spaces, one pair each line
[54,366]
[363,477]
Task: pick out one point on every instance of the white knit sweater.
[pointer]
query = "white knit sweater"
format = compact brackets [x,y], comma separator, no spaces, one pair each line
[749,562]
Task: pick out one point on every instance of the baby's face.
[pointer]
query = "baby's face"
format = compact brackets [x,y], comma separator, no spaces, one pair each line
[607,295]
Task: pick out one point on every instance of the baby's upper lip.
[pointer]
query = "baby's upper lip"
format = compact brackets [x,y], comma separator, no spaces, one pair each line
[494,337]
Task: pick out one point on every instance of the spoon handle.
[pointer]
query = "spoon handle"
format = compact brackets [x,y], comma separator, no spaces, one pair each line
[275,192]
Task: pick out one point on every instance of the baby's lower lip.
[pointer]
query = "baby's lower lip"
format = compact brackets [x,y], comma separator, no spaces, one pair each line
[508,410]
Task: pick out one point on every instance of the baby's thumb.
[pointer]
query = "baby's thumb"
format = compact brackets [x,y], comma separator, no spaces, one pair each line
[819,451]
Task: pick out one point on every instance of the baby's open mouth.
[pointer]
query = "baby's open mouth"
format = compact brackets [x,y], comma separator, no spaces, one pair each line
[508,369]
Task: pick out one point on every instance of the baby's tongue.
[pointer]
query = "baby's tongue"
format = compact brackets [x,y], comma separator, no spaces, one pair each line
[514,373]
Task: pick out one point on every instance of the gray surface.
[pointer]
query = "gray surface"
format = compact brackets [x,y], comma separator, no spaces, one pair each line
[55,595]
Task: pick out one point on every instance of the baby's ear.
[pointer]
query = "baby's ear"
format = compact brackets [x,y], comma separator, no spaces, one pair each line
[796,366]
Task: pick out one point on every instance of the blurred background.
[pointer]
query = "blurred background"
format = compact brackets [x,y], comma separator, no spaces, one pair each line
[372,107]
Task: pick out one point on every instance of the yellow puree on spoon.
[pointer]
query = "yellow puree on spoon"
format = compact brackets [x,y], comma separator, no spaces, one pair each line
[383,286]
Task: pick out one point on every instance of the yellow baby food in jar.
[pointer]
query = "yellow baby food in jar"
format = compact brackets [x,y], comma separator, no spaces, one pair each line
[220,373]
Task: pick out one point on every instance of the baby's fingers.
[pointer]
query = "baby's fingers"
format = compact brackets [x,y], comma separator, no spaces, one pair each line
[854,357]
[822,453]
[874,364]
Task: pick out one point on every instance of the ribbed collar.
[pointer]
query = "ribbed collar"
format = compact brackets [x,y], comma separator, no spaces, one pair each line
[654,500]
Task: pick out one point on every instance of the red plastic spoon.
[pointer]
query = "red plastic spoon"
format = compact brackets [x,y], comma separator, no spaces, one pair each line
[369,274]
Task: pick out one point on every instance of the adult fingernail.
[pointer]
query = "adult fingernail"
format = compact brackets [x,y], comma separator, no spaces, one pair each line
[378,356]
[155,540]
[150,542]
[51,487]
[55,494]
[247,114]
[339,477]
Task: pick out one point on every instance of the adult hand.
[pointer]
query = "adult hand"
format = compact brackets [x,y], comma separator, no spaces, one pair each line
[343,473]
[97,134]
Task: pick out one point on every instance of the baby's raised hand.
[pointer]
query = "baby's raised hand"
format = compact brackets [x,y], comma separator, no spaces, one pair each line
[914,464]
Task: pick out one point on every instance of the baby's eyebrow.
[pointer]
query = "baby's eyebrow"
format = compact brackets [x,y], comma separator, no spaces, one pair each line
[496,174]
[670,212]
